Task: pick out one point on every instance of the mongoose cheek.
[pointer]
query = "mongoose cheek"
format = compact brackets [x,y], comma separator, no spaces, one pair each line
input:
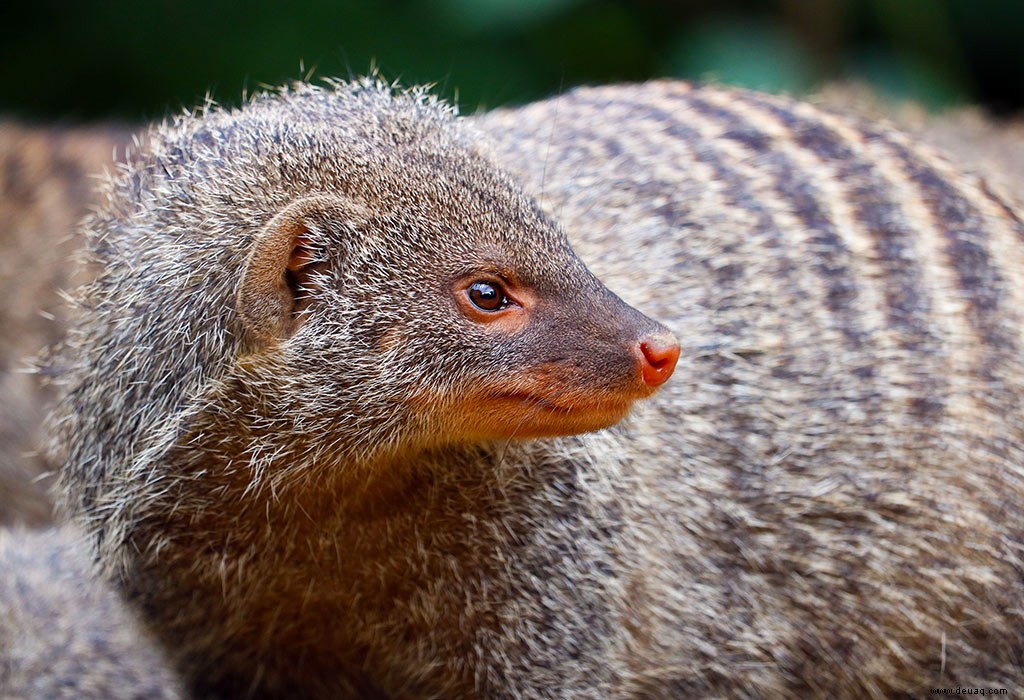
[572,394]
[563,403]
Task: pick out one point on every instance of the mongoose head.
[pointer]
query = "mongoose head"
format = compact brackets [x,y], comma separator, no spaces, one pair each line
[367,281]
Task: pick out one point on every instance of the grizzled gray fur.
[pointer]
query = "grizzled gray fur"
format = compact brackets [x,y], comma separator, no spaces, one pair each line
[310,480]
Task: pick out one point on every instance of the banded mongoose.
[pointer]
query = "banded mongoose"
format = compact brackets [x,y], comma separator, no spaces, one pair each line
[315,409]
[47,177]
[45,187]
[65,636]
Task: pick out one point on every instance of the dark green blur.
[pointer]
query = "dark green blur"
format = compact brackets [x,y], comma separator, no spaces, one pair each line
[141,59]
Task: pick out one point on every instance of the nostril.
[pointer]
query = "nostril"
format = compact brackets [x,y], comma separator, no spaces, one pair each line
[660,354]
[658,357]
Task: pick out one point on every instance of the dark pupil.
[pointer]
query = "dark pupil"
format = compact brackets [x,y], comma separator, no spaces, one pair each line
[485,296]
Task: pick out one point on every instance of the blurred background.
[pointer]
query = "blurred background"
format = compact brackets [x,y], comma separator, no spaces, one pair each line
[132,60]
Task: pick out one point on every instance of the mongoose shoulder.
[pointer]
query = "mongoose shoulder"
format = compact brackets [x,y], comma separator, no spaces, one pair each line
[64,636]
[311,406]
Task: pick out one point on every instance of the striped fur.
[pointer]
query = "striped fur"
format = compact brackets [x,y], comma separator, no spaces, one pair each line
[836,467]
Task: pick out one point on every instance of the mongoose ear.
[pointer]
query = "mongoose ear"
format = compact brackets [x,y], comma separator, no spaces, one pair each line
[280,274]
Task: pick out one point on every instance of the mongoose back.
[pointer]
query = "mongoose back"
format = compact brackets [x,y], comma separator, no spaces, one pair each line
[318,409]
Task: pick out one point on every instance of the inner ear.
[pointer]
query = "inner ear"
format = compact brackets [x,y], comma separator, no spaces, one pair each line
[281,274]
[305,260]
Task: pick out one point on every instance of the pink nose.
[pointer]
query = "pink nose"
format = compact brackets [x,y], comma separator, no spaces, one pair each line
[658,357]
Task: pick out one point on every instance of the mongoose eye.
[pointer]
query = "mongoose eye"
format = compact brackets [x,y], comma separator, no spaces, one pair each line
[487,296]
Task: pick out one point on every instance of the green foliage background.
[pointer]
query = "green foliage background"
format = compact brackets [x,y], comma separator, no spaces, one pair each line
[139,59]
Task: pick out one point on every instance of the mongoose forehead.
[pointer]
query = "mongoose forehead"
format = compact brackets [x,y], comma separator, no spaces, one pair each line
[318,313]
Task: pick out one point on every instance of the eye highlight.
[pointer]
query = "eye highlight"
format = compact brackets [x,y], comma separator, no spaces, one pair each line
[487,296]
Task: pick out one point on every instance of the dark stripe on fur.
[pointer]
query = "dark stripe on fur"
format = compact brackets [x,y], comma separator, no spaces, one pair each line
[907,306]
[966,234]
[827,250]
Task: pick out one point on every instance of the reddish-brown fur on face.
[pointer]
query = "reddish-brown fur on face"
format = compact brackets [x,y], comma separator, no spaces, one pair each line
[530,414]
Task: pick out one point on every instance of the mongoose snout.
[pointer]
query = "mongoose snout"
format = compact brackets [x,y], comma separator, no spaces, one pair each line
[576,357]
